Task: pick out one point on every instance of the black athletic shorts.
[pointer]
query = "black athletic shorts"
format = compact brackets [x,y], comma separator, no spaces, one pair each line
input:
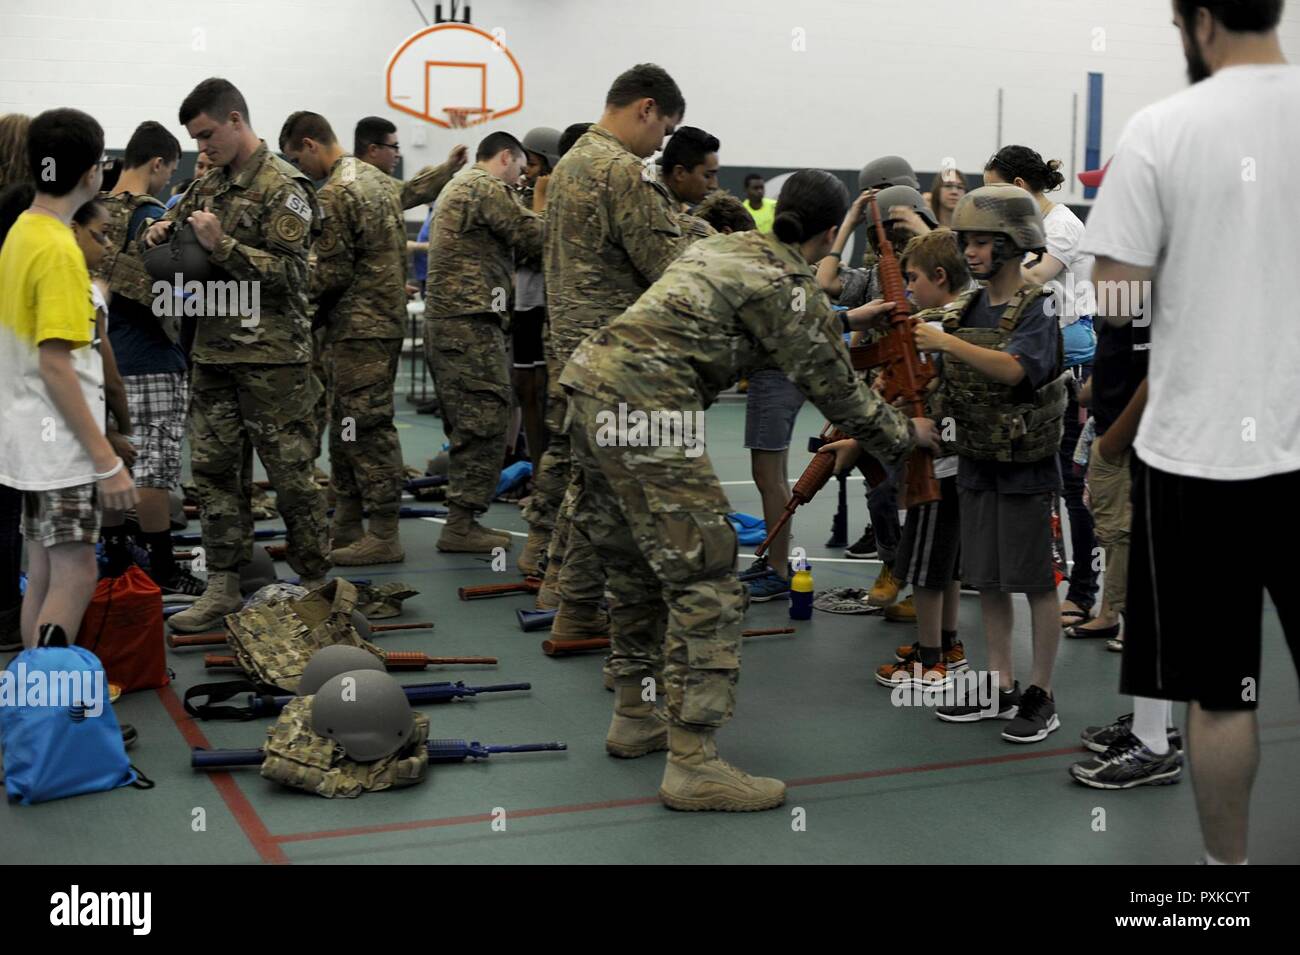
[1188,637]
[527,334]
[931,542]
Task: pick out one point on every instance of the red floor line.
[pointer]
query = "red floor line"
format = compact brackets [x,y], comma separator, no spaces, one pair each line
[653,800]
[249,821]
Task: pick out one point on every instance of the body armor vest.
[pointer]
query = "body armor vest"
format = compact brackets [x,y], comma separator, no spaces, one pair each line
[997,422]
[297,757]
[124,269]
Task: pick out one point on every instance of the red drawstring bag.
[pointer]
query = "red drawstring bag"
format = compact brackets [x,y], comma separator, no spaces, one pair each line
[123,626]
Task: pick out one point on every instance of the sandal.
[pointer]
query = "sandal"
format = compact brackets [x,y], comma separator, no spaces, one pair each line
[1072,618]
[1078,631]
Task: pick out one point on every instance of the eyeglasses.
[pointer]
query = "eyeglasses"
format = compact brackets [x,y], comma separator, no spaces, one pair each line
[395,147]
[105,162]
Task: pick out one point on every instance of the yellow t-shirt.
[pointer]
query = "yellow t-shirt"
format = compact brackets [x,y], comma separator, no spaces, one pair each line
[763,217]
[44,294]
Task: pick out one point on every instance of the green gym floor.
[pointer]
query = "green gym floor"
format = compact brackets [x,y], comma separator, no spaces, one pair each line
[868,781]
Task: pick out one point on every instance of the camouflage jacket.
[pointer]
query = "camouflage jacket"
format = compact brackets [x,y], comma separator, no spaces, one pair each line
[269,214]
[476,229]
[726,307]
[610,233]
[358,275]
[422,188]
[122,268]
[296,756]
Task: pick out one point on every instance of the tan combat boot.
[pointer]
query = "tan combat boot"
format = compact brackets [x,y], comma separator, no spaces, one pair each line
[464,535]
[381,544]
[548,597]
[345,527]
[636,729]
[530,561]
[220,598]
[696,778]
[580,621]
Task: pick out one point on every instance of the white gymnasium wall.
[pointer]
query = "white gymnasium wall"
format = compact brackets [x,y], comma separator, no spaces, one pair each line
[784,84]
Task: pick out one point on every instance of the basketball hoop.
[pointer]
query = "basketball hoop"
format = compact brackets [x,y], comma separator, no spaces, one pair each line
[459,117]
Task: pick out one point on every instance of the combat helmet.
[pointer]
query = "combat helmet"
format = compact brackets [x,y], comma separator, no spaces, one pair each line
[887,171]
[544,141]
[258,572]
[369,716]
[328,662]
[181,254]
[1002,209]
[892,196]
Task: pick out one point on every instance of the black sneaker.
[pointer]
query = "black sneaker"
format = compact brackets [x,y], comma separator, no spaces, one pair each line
[1129,763]
[1036,718]
[1101,738]
[757,569]
[865,547]
[1008,704]
[129,735]
[182,583]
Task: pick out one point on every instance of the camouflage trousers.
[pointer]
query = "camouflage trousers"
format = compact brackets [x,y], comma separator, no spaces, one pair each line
[658,522]
[320,413]
[557,462]
[365,453]
[472,377]
[234,410]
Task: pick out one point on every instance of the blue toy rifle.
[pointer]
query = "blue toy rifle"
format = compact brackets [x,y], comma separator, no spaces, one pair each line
[440,751]
[417,694]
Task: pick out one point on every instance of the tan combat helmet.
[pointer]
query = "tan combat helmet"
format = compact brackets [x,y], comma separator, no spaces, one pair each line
[1002,209]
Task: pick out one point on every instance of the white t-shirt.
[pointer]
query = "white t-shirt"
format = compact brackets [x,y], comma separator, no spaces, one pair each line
[1070,288]
[1198,190]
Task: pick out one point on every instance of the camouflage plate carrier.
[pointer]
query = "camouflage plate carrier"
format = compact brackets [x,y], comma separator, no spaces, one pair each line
[997,422]
[297,757]
[122,268]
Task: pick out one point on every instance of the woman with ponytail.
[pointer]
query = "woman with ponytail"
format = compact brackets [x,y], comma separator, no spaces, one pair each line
[652,505]
[1063,265]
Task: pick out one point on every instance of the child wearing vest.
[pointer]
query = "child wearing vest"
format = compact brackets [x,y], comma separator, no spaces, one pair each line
[1002,386]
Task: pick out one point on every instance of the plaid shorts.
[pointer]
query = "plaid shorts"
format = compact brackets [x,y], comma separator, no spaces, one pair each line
[157,404]
[68,515]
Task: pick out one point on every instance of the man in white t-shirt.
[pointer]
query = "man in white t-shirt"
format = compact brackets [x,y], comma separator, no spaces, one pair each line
[1190,204]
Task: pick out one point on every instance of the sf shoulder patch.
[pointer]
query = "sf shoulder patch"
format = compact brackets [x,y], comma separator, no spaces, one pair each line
[298,206]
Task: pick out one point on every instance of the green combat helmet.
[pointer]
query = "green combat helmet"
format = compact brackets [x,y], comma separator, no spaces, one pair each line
[544,141]
[887,171]
[328,662]
[369,716]
[892,196]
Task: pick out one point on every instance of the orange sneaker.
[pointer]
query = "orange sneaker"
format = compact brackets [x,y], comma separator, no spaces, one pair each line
[913,673]
[954,659]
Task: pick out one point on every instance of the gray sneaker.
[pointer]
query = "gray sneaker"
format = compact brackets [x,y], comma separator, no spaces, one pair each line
[1035,719]
[1129,763]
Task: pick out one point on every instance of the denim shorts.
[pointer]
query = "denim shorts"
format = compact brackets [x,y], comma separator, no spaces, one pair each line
[772,403]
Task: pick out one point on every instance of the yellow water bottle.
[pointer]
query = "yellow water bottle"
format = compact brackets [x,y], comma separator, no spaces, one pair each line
[801,593]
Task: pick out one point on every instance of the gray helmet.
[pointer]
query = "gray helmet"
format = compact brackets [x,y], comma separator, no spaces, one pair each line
[258,572]
[177,501]
[545,142]
[892,196]
[360,624]
[887,171]
[368,716]
[1002,209]
[179,254]
[278,591]
[328,662]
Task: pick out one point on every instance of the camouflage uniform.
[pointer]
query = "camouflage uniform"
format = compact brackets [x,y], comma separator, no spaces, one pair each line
[476,228]
[657,516]
[252,386]
[358,284]
[611,232]
[423,188]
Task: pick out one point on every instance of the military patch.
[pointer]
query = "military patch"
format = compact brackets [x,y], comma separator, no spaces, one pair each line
[328,241]
[288,228]
[298,206]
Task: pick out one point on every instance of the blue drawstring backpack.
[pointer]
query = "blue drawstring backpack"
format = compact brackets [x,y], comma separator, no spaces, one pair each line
[749,529]
[53,745]
[513,476]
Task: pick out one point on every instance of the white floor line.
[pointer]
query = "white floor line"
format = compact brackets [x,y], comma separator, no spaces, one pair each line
[443,520]
[827,560]
[851,477]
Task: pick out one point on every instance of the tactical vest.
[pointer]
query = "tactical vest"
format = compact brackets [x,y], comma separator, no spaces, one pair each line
[997,422]
[123,269]
[297,757]
[273,643]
